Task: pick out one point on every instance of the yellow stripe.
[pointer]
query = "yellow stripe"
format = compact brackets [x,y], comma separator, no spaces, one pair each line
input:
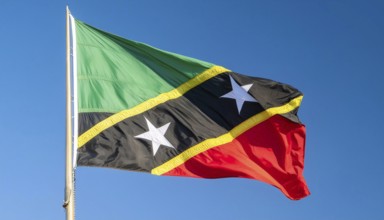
[173,94]
[226,138]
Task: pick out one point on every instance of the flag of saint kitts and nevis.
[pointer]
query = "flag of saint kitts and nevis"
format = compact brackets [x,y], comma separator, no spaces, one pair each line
[144,109]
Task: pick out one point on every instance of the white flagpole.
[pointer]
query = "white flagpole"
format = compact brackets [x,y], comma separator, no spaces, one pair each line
[69,203]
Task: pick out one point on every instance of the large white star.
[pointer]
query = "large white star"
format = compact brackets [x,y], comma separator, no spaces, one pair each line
[156,136]
[240,94]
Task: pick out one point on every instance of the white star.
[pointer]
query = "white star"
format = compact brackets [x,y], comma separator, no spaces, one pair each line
[156,135]
[240,94]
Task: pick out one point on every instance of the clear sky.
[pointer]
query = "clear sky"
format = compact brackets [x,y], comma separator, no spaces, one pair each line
[333,51]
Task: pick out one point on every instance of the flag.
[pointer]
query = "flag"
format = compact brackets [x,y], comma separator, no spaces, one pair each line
[140,108]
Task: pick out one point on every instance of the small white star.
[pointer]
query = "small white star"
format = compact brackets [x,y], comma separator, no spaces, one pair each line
[240,94]
[156,136]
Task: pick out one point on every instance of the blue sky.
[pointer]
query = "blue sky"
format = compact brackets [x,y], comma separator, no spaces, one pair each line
[331,50]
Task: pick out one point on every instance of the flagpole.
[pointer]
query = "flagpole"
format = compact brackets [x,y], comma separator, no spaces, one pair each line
[69,202]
